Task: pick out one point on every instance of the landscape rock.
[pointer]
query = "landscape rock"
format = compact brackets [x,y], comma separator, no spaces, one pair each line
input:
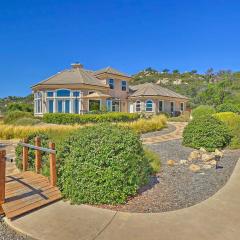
[213,162]
[171,163]
[206,166]
[194,155]
[208,157]
[183,161]
[202,150]
[218,153]
[194,168]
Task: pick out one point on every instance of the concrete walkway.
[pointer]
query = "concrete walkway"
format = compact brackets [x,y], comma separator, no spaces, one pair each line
[174,135]
[217,218]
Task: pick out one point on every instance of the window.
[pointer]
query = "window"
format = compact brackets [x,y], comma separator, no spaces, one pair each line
[109,105]
[63,93]
[67,106]
[60,106]
[115,105]
[76,106]
[38,102]
[124,86]
[138,106]
[50,106]
[172,107]
[182,106]
[160,106]
[111,83]
[149,106]
[76,94]
[49,94]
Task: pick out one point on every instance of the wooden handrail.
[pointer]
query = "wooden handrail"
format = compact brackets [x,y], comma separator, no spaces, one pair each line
[38,149]
[2,175]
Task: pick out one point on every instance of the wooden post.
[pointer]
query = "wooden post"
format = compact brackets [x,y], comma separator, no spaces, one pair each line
[2,175]
[38,155]
[25,156]
[53,171]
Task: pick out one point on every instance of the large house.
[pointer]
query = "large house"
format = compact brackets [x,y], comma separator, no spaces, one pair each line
[78,90]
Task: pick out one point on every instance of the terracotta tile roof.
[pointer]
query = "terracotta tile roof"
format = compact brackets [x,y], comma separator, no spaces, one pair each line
[73,76]
[151,89]
[111,71]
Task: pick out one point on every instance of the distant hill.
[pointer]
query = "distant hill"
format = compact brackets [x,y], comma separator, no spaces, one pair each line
[4,102]
[198,87]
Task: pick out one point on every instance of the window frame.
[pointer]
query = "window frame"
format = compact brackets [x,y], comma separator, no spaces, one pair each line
[146,107]
[124,86]
[111,85]
[136,106]
[162,105]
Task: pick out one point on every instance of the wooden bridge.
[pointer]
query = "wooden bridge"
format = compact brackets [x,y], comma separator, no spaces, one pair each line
[28,191]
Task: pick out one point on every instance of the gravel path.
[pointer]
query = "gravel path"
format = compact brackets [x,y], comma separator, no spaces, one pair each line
[170,128]
[177,187]
[8,234]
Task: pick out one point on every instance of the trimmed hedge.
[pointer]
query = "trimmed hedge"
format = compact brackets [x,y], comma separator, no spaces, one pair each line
[228,107]
[207,132]
[102,164]
[62,118]
[202,110]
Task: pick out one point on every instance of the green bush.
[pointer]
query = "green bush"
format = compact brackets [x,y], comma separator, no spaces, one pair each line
[154,160]
[203,110]
[232,120]
[31,161]
[228,107]
[102,164]
[61,118]
[11,117]
[23,107]
[27,121]
[207,132]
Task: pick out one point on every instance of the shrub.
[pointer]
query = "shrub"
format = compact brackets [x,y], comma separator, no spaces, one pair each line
[155,123]
[154,160]
[228,107]
[23,107]
[207,132]
[203,110]
[232,120]
[27,121]
[11,117]
[184,117]
[31,161]
[102,164]
[61,118]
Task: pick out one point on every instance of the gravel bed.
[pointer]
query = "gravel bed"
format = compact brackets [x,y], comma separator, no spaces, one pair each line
[8,234]
[177,187]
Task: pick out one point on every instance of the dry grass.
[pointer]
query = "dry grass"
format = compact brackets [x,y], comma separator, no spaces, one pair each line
[19,132]
[155,123]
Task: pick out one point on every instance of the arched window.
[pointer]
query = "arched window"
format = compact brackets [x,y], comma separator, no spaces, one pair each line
[149,106]
[138,106]
[63,93]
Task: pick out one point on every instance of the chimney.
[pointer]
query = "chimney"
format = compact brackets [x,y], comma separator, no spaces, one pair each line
[77,65]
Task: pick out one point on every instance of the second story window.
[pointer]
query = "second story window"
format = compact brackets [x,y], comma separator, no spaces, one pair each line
[124,86]
[111,83]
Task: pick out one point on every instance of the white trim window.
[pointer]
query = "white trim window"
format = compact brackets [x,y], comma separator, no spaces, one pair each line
[161,106]
[38,98]
[124,85]
[111,83]
[149,106]
[138,106]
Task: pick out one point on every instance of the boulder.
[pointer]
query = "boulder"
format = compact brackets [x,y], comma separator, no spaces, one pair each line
[171,163]
[213,162]
[194,168]
[208,157]
[194,155]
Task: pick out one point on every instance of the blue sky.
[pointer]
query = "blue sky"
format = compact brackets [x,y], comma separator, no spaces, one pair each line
[41,37]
